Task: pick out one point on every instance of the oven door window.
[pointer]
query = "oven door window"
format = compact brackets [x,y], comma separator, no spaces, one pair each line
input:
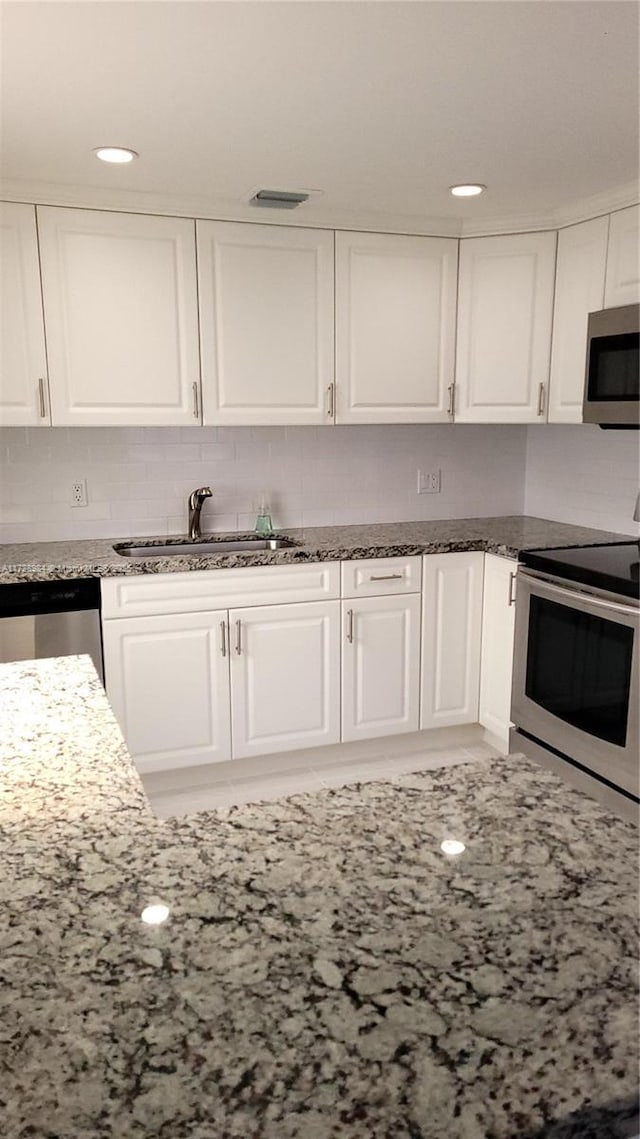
[579,668]
[613,368]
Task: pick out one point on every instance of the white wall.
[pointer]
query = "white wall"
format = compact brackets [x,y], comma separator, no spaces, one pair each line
[139,478]
[584,475]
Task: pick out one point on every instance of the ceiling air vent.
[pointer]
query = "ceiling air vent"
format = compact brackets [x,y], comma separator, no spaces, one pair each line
[278,199]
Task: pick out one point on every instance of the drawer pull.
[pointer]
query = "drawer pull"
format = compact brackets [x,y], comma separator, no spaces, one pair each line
[386,577]
[238,637]
[350,626]
[223,638]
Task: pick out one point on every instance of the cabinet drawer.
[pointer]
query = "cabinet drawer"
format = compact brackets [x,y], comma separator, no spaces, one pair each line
[151,594]
[377,576]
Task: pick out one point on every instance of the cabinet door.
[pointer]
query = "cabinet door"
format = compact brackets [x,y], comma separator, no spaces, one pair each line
[168,682]
[380,666]
[623,259]
[121,317]
[24,395]
[395,327]
[504,328]
[266,321]
[580,269]
[285,677]
[496,665]
[451,633]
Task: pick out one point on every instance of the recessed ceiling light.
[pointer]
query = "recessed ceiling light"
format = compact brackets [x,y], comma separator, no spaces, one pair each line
[467,190]
[115,154]
[452,846]
[156,914]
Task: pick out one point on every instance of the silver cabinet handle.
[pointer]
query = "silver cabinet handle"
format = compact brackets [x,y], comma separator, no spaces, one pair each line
[512,579]
[350,626]
[331,400]
[452,399]
[386,577]
[223,638]
[541,399]
[43,404]
[196,402]
[238,637]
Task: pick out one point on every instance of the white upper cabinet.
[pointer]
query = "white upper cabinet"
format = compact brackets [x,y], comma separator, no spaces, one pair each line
[24,397]
[580,269]
[120,304]
[395,327]
[266,323]
[623,260]
[504,328]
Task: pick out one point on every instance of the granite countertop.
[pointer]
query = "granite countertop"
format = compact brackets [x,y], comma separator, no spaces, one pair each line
[50,561]
[325,971]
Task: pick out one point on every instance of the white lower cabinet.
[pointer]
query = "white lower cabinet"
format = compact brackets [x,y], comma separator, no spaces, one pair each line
[205,686]
[168,683]
[451,632]
[285,677]
[201,685]
[380,666]
[496,667]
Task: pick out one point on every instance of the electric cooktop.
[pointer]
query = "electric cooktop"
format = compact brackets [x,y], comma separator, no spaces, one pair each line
[614,568]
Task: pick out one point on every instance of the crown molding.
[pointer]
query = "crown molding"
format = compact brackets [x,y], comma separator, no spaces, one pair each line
[314,214]
[583,210]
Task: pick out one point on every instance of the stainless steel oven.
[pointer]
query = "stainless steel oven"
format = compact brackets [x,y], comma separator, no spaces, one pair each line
[612,380]
[576,682]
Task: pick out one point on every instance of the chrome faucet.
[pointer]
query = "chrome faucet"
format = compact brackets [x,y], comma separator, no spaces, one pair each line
[196,499]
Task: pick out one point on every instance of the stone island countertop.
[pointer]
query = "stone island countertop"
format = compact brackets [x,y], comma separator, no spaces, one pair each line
[50,561]
[326,972]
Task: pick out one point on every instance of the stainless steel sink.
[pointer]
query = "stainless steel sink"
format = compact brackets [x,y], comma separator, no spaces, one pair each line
[245,544]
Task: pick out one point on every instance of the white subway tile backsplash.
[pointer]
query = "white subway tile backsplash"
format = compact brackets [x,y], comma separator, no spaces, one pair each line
[581,474]
[138,478]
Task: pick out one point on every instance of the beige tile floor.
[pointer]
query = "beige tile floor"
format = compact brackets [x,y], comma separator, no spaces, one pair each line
[181,792]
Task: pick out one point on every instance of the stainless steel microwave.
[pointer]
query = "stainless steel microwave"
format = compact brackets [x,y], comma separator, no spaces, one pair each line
[612,380]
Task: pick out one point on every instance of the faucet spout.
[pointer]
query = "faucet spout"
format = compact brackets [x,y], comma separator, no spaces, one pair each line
[196,499]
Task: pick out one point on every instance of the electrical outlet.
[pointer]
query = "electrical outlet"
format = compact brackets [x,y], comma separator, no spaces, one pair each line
[79,493]
[429,482]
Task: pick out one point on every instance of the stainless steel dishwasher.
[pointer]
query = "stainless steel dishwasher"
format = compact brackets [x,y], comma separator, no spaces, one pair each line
[51,619]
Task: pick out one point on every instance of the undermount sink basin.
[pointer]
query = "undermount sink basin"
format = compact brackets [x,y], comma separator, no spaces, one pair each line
[245,544]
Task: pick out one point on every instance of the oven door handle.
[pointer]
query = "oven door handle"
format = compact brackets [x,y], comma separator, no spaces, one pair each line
[577,595]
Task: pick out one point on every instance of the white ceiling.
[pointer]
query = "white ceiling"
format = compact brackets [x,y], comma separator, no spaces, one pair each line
[381,105]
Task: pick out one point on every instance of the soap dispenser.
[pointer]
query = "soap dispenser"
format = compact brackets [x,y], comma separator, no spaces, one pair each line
[263,524]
